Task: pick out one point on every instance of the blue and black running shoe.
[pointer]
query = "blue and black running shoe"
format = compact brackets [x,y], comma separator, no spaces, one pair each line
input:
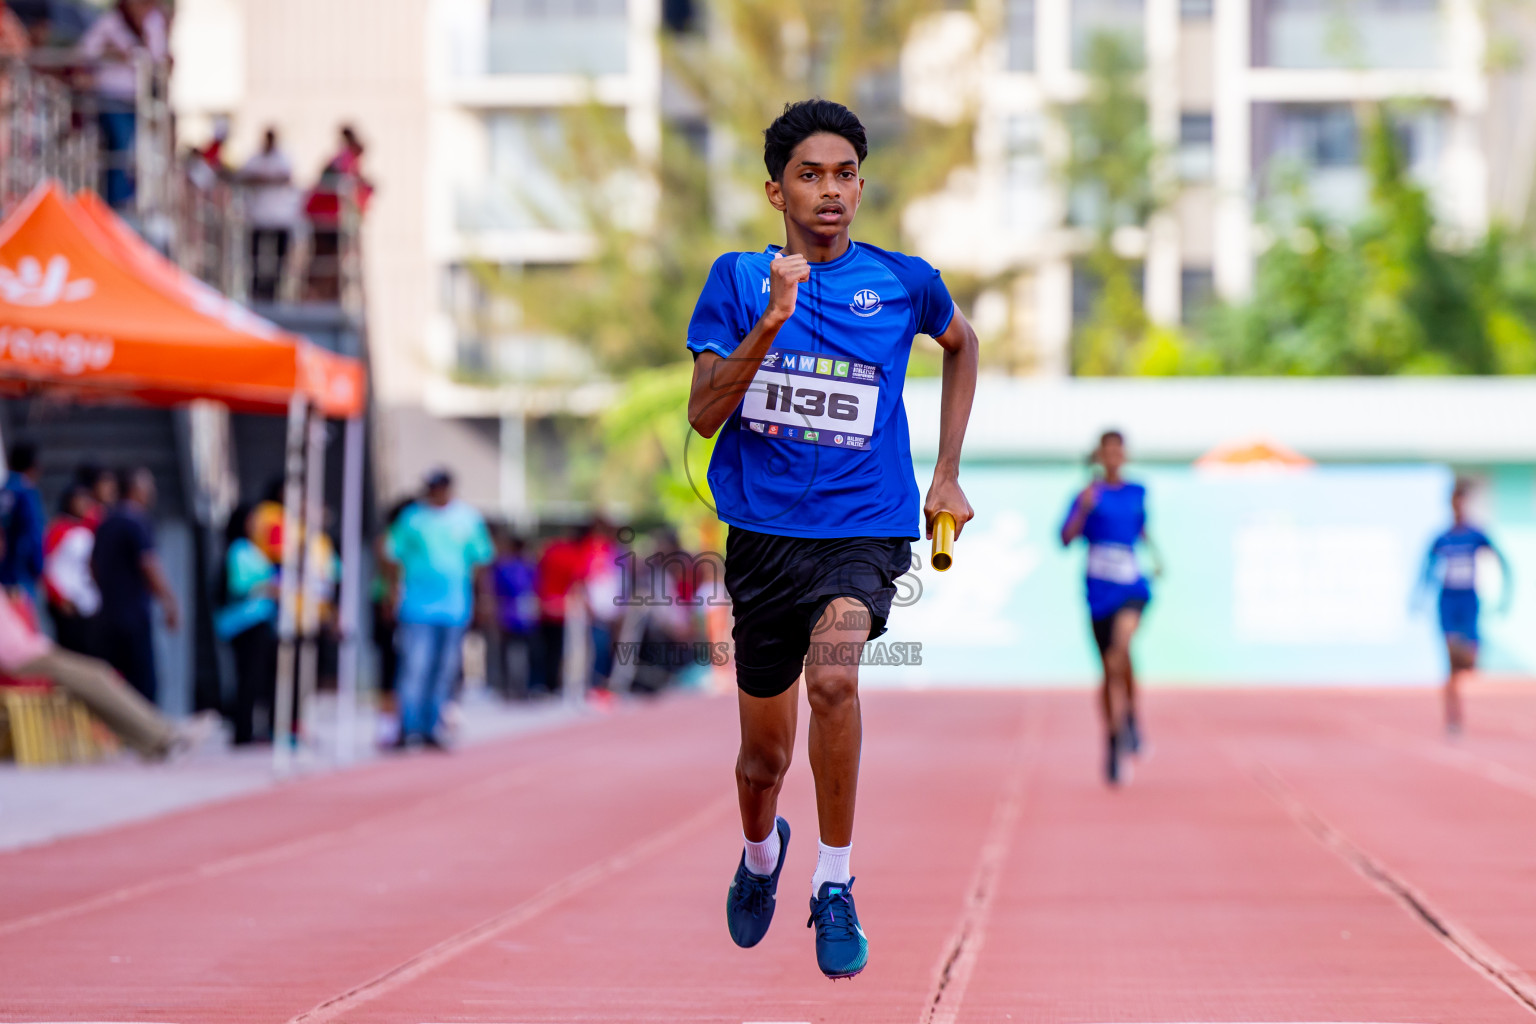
[1132,736]
[841,948]
[1112,766]
[750,899]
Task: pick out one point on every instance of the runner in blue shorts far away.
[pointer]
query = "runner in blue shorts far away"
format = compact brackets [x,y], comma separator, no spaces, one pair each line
[800,354]
[1452,562]
[1111,515]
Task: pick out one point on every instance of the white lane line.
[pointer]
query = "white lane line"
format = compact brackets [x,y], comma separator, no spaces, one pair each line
[550,896]
[1457,937]
[957,960]
[271,854]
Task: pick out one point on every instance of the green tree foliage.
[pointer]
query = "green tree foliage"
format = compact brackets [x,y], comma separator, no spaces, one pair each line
[1386,294]
[1108,175]
[658,223]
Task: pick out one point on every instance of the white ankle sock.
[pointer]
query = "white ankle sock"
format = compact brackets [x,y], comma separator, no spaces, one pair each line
[763,857]
[831,866]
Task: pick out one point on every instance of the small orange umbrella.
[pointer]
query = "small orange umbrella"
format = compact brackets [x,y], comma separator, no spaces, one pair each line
[1253,453]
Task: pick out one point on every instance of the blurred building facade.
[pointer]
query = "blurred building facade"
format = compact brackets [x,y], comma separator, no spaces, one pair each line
[1250,102]
[459,101]
[456,101]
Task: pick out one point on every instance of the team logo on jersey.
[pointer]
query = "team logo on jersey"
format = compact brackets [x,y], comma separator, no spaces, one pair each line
[771,360]
[837,438]
[866,302]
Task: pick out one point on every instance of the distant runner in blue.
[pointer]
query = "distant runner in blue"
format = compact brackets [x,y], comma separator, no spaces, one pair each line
[800,354]
[1111,515]
[1452,563]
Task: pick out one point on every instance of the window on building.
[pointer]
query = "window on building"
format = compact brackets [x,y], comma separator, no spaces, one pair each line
[1091,18]
[1317,135]
[577,37]
[680,16]
[1401,34]
[1019,33]
[1314,152]
[1198,287]
[521,188]
[1027,177]
[1197,152]
[1196,10]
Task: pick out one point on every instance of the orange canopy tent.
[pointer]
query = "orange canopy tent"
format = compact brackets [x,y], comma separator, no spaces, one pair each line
[88,308]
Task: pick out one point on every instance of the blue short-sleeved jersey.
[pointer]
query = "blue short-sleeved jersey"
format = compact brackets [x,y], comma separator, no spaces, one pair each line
[818,447]
[1454,554]
[1113,527]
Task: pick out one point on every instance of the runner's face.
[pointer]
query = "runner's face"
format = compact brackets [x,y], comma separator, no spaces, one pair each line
[1112,456]
[821,186]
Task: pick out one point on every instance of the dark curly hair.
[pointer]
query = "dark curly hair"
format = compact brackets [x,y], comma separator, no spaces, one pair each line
[802,120]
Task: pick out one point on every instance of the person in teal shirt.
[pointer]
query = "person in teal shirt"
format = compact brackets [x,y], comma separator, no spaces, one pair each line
[248,622]
[436,547]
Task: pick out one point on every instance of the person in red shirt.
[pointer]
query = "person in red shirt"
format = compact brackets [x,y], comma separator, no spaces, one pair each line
[73,599]
[563,566]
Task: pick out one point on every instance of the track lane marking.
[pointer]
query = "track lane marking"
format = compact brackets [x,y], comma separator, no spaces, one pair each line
[545,899]
[1458,938]
[1485,768]
[270,855]
[957,960]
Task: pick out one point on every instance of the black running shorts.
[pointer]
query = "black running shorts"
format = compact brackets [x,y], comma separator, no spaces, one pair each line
[780,585]
[1104,629]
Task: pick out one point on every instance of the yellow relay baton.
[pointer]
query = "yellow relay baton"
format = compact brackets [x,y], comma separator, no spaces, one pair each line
[943,542]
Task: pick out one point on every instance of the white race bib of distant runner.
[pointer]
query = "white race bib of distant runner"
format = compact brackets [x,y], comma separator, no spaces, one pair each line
[813,399]
[1460,570]
[1113,563]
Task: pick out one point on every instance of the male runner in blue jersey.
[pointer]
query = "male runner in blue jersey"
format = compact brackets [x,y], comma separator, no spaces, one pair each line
[1453,559]
[800,356]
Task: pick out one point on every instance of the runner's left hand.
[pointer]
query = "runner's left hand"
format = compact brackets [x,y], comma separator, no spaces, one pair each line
[945,495]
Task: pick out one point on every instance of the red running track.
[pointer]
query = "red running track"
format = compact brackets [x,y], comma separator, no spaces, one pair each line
[1282,856]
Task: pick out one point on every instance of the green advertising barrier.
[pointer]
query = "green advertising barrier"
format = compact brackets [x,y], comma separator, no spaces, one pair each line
[1272,577]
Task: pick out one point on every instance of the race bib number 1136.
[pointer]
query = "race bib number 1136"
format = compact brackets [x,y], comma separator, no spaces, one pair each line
[813,399]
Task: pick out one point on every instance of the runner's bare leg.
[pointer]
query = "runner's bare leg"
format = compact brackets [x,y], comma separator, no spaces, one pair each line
[837,730]
[767,746]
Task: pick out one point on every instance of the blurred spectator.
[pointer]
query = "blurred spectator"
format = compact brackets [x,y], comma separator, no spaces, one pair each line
[272,206]
[267,522]
[603,586]
[343,176]
[103,487]
[437,546]
[131,31]
[516,603]
[21,521]
[385,599]
[73,599]
[562,568]
[25,653]
[211,153]
[670,623]
[248,621]
[128,571]
[15,40]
